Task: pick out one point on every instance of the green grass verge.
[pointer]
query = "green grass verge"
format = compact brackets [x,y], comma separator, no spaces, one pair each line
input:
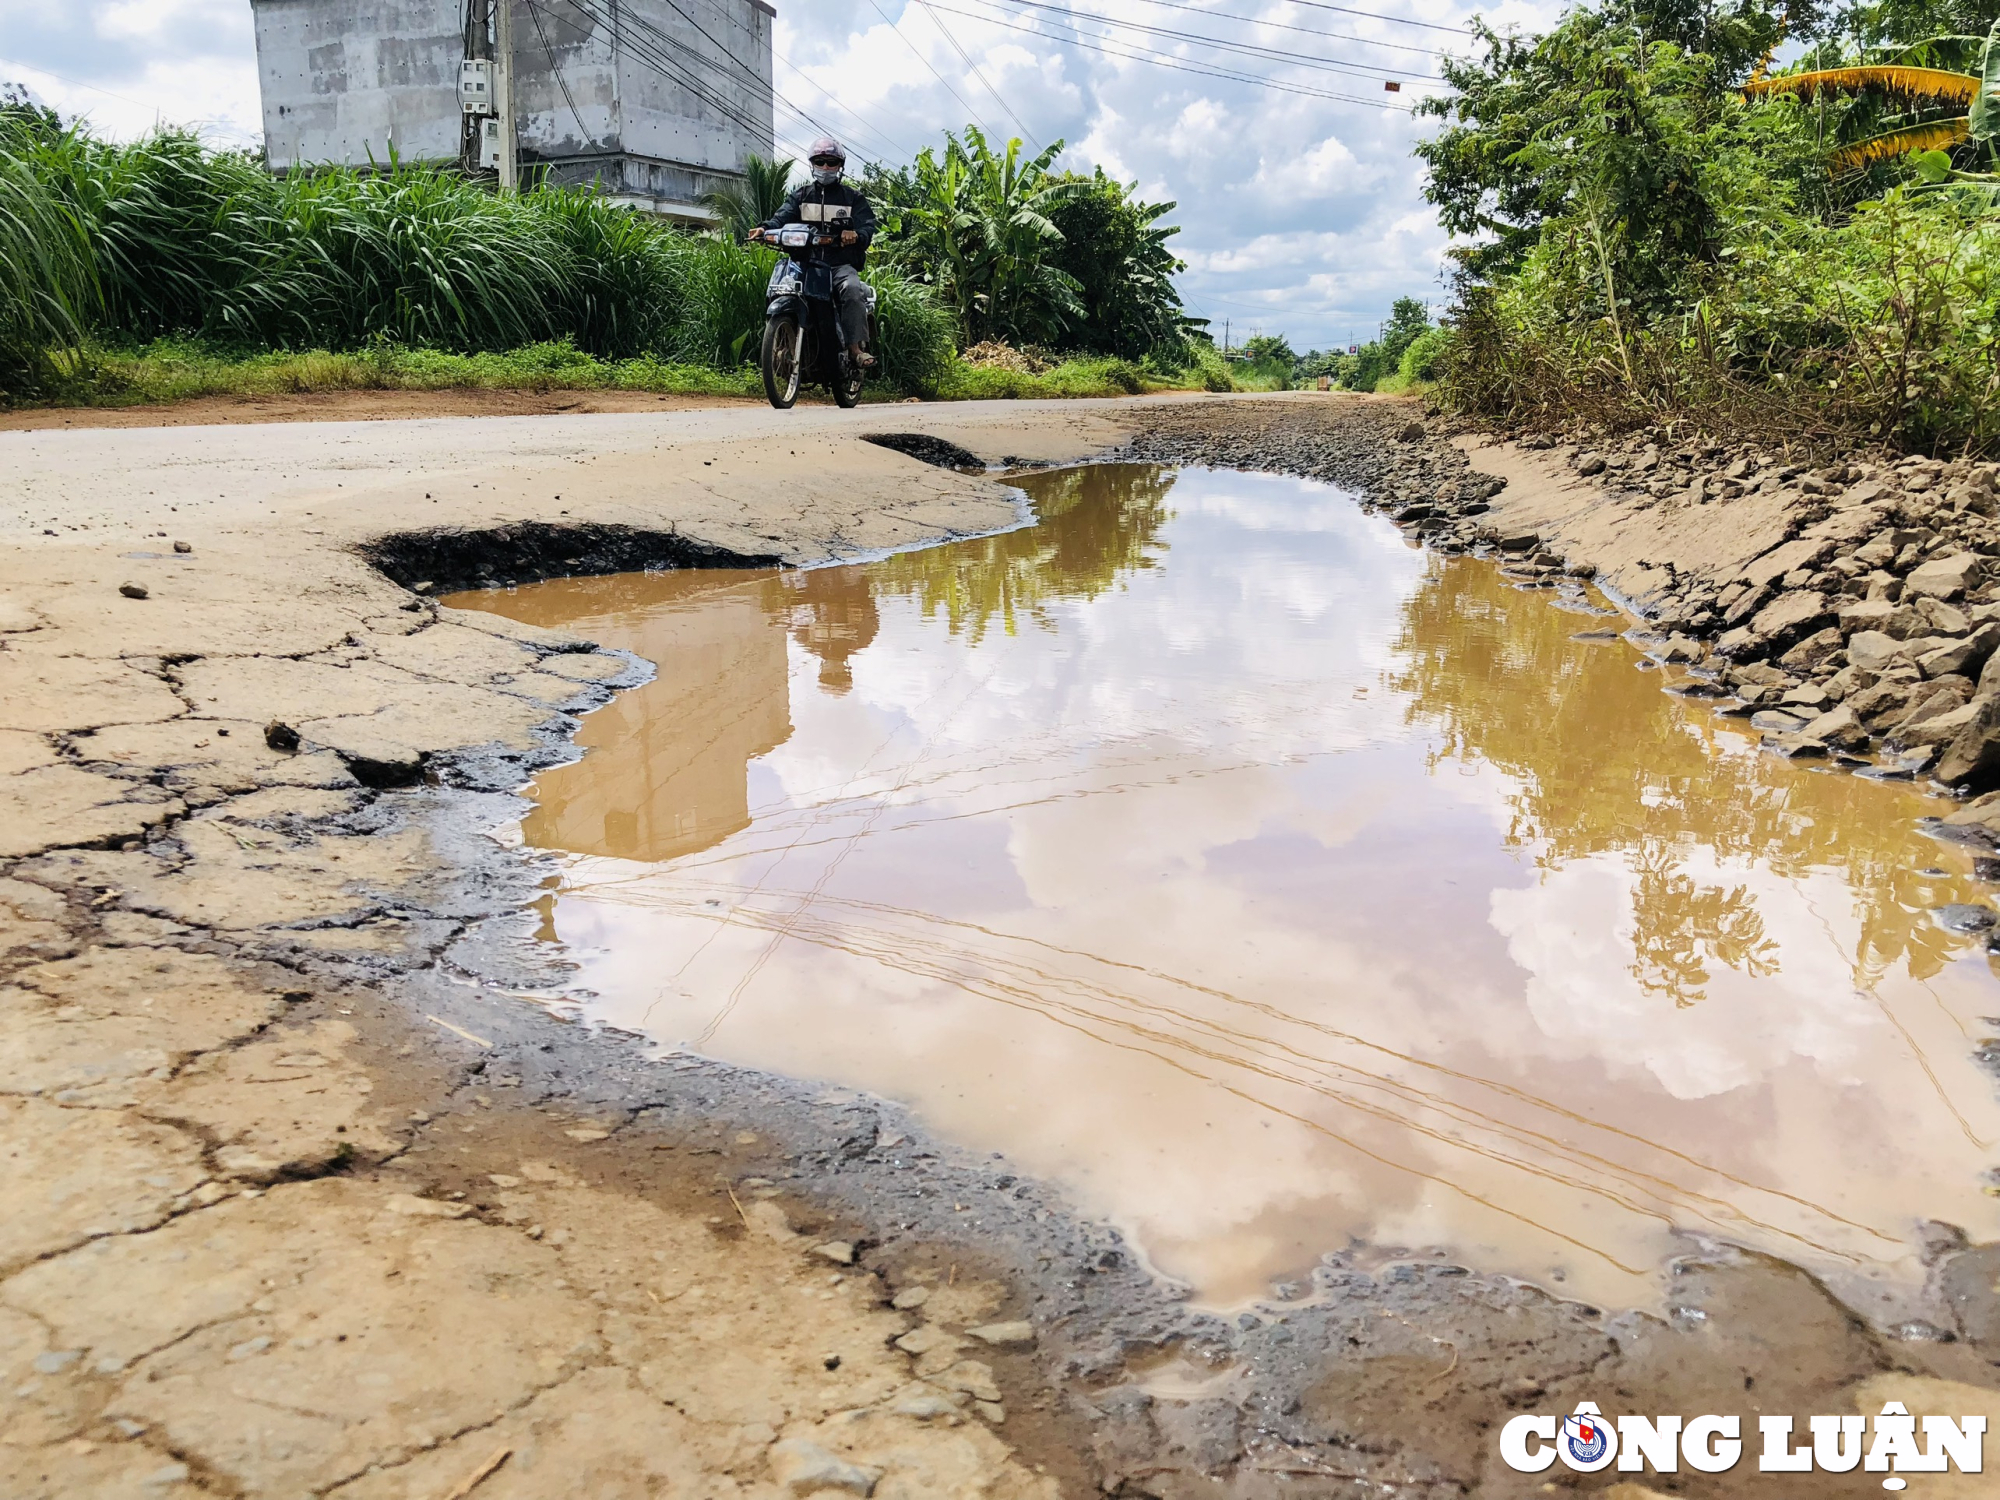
[1071,378]
[179,370]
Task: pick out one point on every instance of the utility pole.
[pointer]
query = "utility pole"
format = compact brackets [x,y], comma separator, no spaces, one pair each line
[503,95]
[475,82]
[1225,338]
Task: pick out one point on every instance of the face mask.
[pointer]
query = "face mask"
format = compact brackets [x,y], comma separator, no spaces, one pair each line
[825,176]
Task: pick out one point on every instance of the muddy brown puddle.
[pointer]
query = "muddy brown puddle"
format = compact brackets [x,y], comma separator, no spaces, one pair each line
[1277,887]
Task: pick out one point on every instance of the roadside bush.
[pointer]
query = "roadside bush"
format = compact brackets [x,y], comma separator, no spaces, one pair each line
[161,267]
[1882,325]
[1424,359]
[913,334]
[1377,366]
[1072,377]
[1209,369]
[1647,243]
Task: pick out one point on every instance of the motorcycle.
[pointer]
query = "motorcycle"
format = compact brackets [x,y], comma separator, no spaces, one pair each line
[802,324]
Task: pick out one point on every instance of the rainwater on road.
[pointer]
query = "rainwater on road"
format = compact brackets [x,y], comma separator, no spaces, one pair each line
[1279,888]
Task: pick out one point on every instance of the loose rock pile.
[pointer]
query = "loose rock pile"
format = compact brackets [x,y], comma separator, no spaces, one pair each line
[1871,628]
[1381,453]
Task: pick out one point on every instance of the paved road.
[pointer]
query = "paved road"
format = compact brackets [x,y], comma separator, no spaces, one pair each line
[381,474]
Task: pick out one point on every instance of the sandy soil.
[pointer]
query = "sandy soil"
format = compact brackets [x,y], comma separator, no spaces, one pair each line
[311,1198]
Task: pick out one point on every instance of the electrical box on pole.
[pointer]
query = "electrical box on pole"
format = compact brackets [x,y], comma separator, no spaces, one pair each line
[475,86]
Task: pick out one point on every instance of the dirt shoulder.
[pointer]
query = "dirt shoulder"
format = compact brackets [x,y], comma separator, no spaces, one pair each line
[313,1197]
[356,406]
[400,406]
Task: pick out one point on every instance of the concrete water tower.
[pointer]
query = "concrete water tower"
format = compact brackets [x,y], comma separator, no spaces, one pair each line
[657,100]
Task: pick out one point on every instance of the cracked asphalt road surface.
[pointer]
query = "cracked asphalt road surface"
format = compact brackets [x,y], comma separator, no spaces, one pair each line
[273,1232]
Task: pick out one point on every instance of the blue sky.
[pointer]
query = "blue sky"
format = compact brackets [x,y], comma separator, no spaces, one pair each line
[1300,214]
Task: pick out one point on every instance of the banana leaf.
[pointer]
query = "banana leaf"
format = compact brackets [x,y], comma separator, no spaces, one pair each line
[1917,83]
[1985,114]
[1932,136]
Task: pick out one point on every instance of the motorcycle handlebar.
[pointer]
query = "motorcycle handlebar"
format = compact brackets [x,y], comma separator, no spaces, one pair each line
[830,238]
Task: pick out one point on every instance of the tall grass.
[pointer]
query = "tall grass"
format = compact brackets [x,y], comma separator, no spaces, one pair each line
[125,244]
[48,284]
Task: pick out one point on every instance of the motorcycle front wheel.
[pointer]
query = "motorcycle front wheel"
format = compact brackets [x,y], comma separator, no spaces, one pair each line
[847,384]
[847,389]
[782,339]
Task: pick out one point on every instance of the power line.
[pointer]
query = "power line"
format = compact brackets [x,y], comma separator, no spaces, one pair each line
[873,129]
[1165,60]
[662,60]
[535,13]
[668,67]
[970,113]
[755,79]
[669,42]
[657,50]
[1262,54]
[931,11]
[1376,15]
[1338,36]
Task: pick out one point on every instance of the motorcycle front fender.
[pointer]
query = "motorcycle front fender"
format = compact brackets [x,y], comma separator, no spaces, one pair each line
[795,305]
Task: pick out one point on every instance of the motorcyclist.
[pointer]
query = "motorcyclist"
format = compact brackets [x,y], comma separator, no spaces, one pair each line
[825,202]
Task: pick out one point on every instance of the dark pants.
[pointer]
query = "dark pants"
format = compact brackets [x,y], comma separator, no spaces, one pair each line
[850,296]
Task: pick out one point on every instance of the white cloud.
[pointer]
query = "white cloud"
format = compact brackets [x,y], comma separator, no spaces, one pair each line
[1329,166]
[130,66]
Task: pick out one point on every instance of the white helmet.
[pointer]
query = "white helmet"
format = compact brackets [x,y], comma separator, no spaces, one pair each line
[827,158]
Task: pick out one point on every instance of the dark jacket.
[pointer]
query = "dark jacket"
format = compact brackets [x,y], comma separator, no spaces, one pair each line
[837,207]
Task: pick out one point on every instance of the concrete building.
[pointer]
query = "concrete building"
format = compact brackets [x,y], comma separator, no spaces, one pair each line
[658,100]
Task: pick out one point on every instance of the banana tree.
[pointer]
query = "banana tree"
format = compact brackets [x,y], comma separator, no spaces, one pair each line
[1927,90]
[747,202]
[977,227]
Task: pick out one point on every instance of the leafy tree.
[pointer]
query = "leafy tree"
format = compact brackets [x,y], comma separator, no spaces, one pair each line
[1655,228]
[745,204]
[1115,248]
[1269,348]
[1408,321]
[1921,32]
[1423,360]
[1636,150]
